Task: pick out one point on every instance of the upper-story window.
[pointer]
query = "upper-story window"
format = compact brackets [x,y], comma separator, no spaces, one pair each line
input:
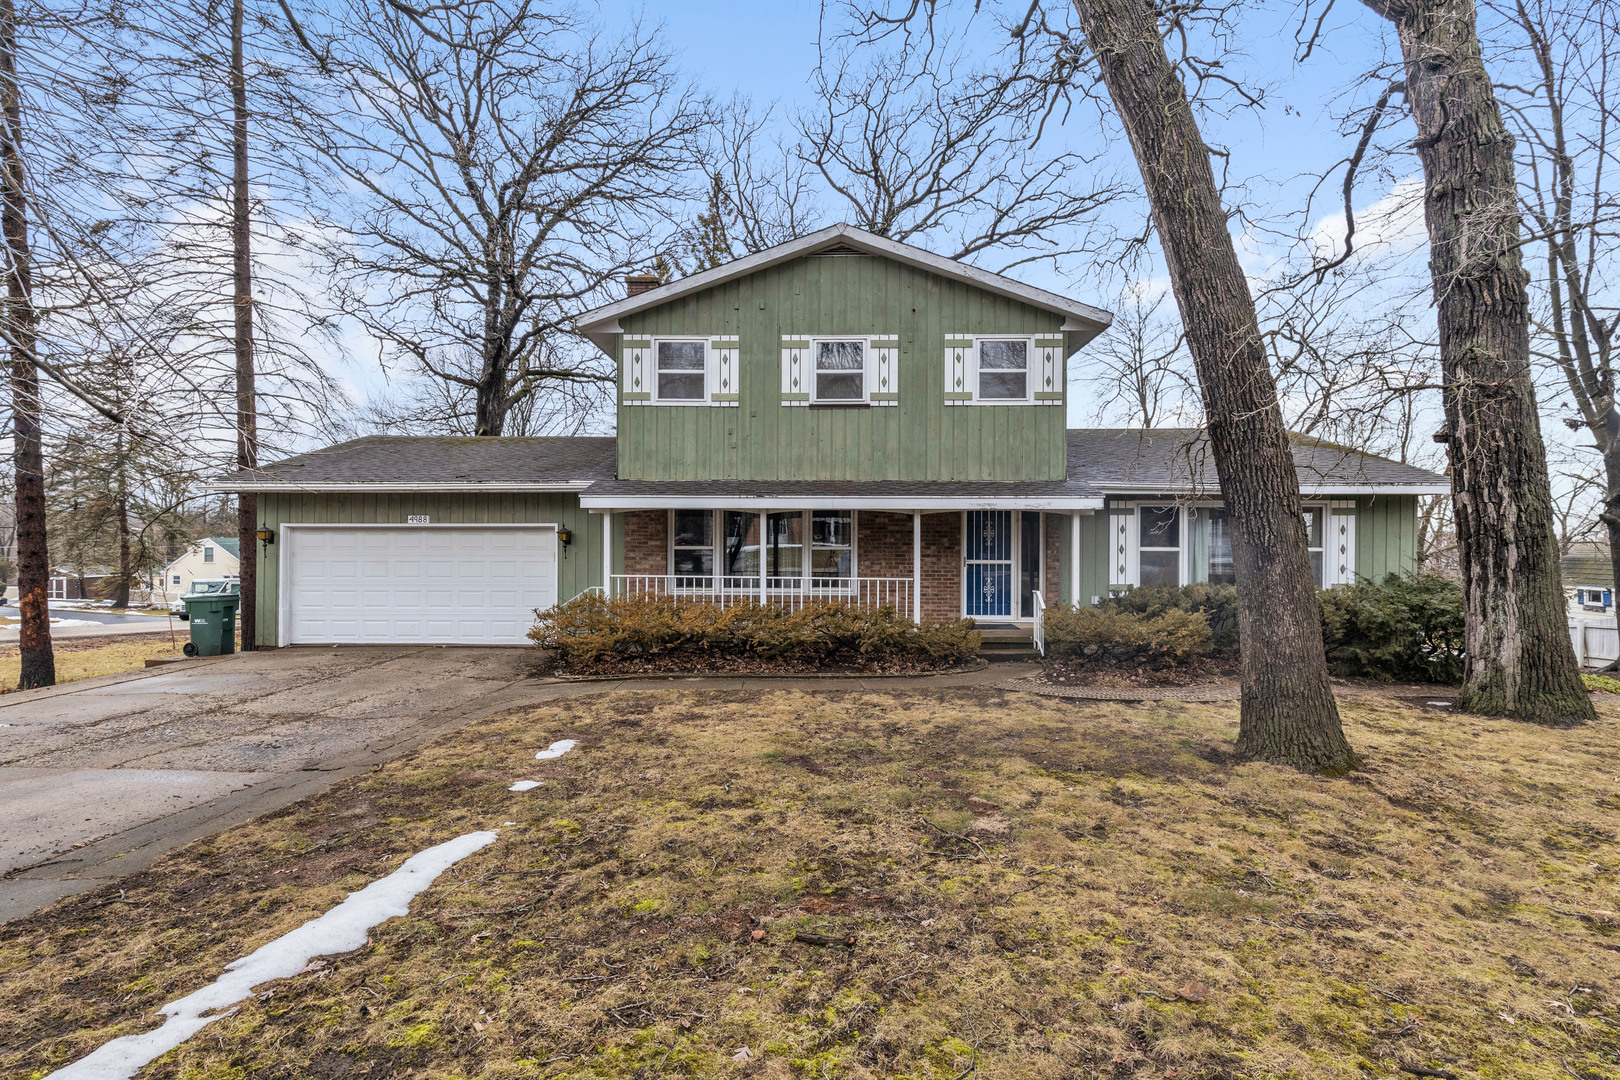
[1003,369]
[840,370]
[208,553]
[681,368]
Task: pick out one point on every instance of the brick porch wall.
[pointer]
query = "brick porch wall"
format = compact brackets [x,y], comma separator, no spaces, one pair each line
[1057,534]
[942,565]
[883,542]
[646,542]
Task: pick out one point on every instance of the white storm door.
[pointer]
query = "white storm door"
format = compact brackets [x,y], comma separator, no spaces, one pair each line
[415,584]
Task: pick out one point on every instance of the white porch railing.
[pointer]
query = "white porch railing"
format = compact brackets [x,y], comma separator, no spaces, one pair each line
[789,592]
[1039,629]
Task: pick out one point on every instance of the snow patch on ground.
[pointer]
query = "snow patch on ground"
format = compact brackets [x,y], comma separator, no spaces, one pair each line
[556,749]
[341,930]
[525,785]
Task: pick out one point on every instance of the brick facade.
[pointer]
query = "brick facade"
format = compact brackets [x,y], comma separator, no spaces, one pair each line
[646,542]
[1057,533]
[883,544]
[942,565]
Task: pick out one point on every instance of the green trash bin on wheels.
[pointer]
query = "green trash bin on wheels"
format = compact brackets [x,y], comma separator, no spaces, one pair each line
[213,623]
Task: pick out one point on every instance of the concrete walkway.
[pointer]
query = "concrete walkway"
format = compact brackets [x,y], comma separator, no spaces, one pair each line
[102,778]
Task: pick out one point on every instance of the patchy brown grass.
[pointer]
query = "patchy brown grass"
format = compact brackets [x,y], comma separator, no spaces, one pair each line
[1031,885]
[87,658]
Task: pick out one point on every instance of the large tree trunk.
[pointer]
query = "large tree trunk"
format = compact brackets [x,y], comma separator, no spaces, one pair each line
[28,455]
[1288,712]
[1520,661]
[247,410]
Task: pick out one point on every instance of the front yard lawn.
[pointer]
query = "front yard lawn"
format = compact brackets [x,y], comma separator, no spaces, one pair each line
[1034,888]
[87,658]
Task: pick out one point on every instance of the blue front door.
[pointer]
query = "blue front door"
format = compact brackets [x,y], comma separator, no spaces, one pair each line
[988,572]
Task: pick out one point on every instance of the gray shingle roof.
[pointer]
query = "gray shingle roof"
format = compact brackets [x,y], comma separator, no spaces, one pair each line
[1588,564]
[1123,460]
[1102,462]
[425,461]
[229,543]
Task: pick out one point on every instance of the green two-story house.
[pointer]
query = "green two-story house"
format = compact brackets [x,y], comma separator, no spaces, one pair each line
[841,417]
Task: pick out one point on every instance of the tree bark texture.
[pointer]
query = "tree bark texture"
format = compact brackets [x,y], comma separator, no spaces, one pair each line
[247,415]
[1520,661]
[28,455]
[1288,715]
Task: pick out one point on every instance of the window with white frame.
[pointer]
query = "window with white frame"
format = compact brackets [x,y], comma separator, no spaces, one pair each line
[1003,369]
[1159,545]
[840,371]
[1315,528]
[832,545]
[176,579]
[208,553]
[692,548]
[785,550]
[681,365]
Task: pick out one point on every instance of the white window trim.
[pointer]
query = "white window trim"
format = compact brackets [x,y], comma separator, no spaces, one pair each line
[718,524]
[865,369]
[1031,369]
[1182,549]
[1136,506]
[708,373]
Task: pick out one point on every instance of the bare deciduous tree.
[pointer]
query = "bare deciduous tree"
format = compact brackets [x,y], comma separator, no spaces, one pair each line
[913,144]
[1564,120]
[500,165]
[1519,659]
[1288,712]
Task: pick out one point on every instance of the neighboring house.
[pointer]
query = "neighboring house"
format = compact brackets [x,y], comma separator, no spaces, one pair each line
[1588,577]
[210,557]
[842,416]
[65,584]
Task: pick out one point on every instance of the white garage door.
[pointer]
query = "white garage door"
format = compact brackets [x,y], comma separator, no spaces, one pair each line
[429,584]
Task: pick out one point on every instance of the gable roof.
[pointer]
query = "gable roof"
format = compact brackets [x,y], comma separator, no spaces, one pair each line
[228,543]
[1180,461]
[1587,564]
[600,324]
[380,463]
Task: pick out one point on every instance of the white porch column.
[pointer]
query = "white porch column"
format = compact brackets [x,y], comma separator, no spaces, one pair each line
[607,553]
[916,566]
[1074,557]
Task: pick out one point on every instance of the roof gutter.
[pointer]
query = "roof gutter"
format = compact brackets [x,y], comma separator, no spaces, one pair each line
[269,487]
[1306,490]
[899,504]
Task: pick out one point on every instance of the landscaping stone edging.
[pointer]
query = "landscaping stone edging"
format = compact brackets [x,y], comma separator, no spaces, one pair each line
[977,665]
[1208,692]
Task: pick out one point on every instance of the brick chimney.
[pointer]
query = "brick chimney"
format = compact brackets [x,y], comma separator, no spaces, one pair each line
[635,284]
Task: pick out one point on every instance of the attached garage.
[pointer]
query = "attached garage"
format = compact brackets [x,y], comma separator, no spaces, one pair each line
[415,584]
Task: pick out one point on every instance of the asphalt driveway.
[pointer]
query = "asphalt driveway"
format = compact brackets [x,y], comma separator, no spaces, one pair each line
[98,782]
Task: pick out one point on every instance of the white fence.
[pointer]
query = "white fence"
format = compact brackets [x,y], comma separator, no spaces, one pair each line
[1596,644]
[789,592]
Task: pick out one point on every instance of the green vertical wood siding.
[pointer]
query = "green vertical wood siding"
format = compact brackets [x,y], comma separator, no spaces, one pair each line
[921,439]
[1386,536]
[579,566]
[1094,542]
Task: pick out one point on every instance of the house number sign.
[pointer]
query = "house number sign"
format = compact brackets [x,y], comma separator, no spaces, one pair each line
[417,519]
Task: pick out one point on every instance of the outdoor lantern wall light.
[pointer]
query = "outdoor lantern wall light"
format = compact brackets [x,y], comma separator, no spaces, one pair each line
[266,536]
[565,536]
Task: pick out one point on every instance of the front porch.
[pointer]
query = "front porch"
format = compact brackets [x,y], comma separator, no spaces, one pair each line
[997,566]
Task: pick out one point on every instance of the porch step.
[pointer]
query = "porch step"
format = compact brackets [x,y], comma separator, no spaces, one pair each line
[1005,645]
